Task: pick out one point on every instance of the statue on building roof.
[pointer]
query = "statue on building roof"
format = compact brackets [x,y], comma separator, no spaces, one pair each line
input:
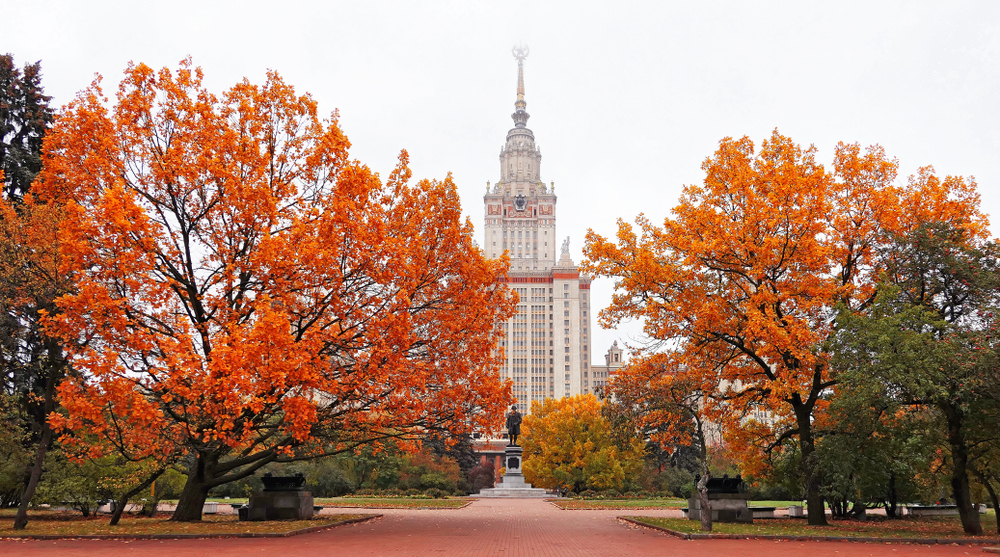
[565,246]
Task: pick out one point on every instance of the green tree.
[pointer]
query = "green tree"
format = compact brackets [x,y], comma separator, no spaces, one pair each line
[32,362]
[569,445]
[875,455]
[77,485]
[25,115]
[15,454]
[929,342]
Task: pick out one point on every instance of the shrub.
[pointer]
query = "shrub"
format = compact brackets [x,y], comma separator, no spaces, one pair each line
[436,493]
[482,476]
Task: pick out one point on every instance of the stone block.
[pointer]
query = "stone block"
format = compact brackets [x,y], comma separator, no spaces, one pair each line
[724,509]
[281,505]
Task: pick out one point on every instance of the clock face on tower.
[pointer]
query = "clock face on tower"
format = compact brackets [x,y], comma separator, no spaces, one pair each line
[520,202]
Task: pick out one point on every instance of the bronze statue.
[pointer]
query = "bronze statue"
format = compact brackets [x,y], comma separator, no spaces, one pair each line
[513,424]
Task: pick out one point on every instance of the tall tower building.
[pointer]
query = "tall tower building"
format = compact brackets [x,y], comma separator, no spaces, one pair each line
[546,344]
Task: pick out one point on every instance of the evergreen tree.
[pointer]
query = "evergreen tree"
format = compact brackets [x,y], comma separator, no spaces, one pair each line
[24,116]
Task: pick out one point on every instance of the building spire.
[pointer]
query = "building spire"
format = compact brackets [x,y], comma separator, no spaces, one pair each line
[520,116]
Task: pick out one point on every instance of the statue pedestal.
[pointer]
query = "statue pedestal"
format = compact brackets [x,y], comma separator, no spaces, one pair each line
[512,485]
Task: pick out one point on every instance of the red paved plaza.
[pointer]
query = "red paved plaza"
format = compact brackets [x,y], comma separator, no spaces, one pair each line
[494,527]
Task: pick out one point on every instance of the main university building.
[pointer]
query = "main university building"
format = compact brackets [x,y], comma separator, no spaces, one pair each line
[547,343]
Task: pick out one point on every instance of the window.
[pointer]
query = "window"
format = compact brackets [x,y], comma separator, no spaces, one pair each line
[566,304]
[565,287]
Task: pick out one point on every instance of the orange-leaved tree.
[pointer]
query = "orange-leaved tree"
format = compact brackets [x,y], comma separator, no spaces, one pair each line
[744,279]
[247,294]
[568,444]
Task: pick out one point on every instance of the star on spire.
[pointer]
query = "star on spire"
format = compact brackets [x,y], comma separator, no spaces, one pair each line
[520,116]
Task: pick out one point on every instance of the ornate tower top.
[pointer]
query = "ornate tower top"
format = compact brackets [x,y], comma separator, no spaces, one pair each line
[520,117]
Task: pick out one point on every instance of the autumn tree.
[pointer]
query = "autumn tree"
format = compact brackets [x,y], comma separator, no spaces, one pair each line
[747,272]
[930,343]
[247,294]
[569,445]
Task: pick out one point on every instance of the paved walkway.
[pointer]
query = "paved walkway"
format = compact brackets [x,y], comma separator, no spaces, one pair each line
[488,527]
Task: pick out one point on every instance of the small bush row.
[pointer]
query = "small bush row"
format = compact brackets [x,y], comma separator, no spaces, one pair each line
[432,493]
[612,494]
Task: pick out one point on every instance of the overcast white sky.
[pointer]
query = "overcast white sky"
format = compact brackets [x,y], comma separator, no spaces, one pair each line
[626,99]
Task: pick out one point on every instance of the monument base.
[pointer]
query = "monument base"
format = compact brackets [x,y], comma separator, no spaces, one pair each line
[512,485]
[726,507]
[280,505]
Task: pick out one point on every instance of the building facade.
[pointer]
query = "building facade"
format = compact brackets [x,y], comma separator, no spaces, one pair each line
[546,344]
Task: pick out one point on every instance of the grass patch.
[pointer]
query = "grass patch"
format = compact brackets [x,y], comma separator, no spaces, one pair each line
[390,503]
[777,504]
[668,503]
[73,524]
[613,504]
[928,527]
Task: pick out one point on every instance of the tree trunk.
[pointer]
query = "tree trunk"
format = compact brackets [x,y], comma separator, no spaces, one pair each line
[124,499]
[192,499]
[995,501]
[810,468]
[706,506]
[960,473]
[993,495]
[890,507]
[21,519]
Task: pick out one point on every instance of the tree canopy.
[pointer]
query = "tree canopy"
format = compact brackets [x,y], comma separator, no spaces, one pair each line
[569,445]
[247,293]
[24,116]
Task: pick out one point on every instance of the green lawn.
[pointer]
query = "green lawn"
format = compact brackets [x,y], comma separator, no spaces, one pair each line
[362,502]
[391,503]
[937,527]
[598,504]
[72,524]
[605,504]
[777,504]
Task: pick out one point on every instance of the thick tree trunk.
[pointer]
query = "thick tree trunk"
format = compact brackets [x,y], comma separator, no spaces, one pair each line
[206,472]
[810,468]
[960,473]
[21,519]
[706,506]
[192,499]
[191,502]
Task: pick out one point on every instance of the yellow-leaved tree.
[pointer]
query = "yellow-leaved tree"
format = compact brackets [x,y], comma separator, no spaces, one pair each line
[569,445]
